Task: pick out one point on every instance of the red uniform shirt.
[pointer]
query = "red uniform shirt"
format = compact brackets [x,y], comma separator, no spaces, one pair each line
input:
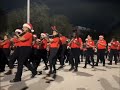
[109,48]
[16,42]
[75,41]
[55,43]
[35,45]
[6,44]
[28,42]
[0,43]
[90,44]
[63,40]
[103,46]
[43,44]
[114,45]
[118,46]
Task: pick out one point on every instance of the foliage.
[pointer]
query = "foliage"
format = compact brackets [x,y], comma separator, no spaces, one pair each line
[40,18]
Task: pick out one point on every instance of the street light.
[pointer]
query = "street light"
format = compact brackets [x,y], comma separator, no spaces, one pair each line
[28,11]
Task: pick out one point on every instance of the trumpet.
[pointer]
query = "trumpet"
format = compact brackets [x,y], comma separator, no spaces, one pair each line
[71,40]
[20,35]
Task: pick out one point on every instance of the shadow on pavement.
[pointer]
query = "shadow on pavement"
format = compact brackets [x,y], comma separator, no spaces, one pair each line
[59,79]
[18,86]
[117,79]
[66,70]
[42,85]
[106,85]
[7,78]
[84,74]
[110,67]
[98,69]
[80,89]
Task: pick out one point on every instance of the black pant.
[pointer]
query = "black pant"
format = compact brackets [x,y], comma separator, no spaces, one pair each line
[62,54]
[4,54]
[81,54]
[101,56]
[13,57]
[3,60]
[41,54]
[74,55]
[24,54]
[89,56]
[113,52]
[53,58]
[35,57]
[67,54]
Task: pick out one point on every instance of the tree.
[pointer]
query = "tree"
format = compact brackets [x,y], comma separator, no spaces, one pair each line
[62,23]
[40,19]
[3,21]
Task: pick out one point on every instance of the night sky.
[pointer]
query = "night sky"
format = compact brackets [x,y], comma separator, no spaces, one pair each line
[97,14]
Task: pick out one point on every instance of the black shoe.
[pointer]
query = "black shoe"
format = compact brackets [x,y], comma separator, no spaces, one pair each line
[92,66]
[54,72]
[66,61]
[96,64]
[46,68]
[33,75]
[75,70]
[14,80]
[103,65]
[40,72]
[8,73]
[49,73]
[71,68]
[109,63]
[84,67]
[115,63]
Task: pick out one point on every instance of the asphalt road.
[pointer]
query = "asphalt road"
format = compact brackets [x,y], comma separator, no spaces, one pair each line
[98,78]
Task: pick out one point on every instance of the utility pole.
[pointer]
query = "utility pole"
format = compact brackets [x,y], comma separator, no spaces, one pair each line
[28,11]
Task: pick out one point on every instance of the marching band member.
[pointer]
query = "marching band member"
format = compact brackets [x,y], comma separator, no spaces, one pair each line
[2,63]
[90,45]
[24,52]
[6,50]
[15,54]
[63,47]
[113,52]
[119,52]
[101,47]
[35,56]
[54,47]
[42,50]
[75,45]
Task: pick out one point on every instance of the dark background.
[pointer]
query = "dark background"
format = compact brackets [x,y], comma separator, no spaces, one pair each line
[101,15]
